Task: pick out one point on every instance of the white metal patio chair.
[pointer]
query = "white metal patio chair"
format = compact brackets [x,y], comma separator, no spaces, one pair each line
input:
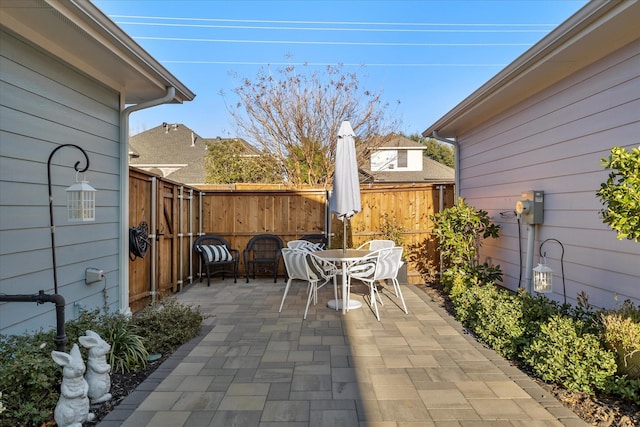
[304,245]
[304,265]
[374,245]
[379,265]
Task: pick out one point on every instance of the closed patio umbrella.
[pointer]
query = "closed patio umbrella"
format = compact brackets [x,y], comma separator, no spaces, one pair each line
[345,199]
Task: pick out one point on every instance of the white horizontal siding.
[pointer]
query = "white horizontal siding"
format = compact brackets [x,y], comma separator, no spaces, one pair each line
[44,104]
[554,142]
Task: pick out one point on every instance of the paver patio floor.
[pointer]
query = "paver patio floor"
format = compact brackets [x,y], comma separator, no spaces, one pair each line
[252,366]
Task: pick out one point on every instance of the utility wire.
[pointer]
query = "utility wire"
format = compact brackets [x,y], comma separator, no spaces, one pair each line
[330,43]
[374,30]
[267,21]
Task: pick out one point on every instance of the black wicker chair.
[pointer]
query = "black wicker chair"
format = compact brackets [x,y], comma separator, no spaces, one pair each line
[214,259]
[263,254]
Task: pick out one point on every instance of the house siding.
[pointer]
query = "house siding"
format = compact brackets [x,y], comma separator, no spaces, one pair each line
[46,103]
[384,160]
[554,142]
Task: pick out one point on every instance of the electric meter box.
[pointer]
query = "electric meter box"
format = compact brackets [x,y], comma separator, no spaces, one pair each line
[531,207]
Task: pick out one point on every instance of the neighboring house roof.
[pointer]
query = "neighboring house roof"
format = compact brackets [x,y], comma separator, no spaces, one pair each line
[596,30]
[174,151]
[400,142]
[432,171]
[94,44]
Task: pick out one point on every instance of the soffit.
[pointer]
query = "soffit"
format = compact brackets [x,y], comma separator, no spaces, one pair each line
[80,34]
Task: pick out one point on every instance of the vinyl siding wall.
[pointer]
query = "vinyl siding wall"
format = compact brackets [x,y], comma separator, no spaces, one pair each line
[44,104]
[554,142]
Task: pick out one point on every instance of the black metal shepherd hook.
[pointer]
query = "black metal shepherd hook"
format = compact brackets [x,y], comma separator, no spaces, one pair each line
[53,240]
[544,255]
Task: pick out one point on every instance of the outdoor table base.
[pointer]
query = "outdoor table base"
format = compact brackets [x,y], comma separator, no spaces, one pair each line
[343,257]
[336,304]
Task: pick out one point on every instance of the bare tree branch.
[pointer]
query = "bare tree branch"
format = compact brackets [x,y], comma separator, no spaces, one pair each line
[296,117]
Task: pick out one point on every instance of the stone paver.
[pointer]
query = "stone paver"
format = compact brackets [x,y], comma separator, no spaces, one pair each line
[252,366]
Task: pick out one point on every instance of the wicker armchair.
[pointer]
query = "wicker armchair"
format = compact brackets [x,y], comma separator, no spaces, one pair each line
[216,257]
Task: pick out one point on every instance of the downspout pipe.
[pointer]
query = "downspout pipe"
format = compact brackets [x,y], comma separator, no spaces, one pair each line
[40,298]
[456,159]
[124,190]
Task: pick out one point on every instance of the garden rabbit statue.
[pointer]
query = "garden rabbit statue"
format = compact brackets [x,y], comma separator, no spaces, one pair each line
[73,405]
[97,375]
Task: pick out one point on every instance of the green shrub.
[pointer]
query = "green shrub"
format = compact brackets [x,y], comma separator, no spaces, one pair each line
[536,310]
[494,315]
[460,230]
[153,320]
[621,193]
[29,379]
[128,352]
[627,389]
[563,354]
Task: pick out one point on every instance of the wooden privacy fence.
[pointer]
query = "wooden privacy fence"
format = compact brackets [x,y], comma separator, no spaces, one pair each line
[176,214]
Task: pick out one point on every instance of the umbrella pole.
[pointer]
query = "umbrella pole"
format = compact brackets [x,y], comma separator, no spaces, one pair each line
[344,235]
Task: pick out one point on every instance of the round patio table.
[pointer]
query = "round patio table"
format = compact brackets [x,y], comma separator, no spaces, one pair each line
[343,256]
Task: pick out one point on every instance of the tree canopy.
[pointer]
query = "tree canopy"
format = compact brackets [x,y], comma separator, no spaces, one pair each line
[228,162]
[440,152]
[294,115]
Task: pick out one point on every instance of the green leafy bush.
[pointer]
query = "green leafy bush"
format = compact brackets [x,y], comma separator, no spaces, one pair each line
[494,315]
[460,231]
[152,323]
[621,193]
[563,354]
[627,389]
[28,379]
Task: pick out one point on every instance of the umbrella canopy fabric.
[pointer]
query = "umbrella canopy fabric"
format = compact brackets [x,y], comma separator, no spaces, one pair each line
[345,199]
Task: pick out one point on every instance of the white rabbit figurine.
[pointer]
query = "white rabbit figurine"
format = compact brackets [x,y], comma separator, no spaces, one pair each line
[97,375]
[73,405]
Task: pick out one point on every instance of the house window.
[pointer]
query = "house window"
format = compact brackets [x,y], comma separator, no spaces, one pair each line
[402,158]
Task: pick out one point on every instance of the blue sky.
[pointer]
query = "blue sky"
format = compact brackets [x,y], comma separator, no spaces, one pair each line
[426,55]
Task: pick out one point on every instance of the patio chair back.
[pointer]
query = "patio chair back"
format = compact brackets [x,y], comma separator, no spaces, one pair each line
[389,262]
[263,253]
[304,245]
[374,245]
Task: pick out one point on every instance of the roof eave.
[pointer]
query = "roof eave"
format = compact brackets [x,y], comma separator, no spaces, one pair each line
[77,32]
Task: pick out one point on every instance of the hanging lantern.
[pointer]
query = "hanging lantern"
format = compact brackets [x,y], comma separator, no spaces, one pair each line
[542,278]
[81,202]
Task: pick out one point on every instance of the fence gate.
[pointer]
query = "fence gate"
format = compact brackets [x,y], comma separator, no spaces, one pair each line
[167,239]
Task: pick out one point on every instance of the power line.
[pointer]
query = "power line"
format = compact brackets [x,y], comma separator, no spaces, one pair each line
[328,43]
[377,30]
[266,21]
